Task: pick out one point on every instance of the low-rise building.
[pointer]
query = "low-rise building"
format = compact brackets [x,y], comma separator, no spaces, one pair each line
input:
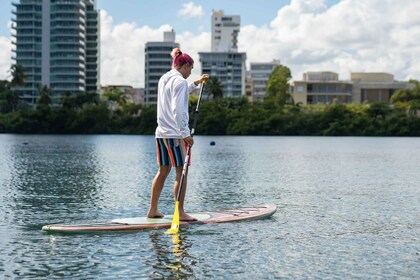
[326,88]
[375,87]
[260,73]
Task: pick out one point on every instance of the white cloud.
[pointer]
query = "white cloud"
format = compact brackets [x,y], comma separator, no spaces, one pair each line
[190,10]
[5,58]
[351,36]
[122,50]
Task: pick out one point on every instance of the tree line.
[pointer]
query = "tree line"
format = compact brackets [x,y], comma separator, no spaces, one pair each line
[113,113]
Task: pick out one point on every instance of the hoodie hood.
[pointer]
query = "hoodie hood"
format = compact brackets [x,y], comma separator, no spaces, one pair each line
[169,75]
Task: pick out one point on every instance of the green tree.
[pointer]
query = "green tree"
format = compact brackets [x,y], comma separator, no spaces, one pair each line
[408,98]
[147,121]
[212,118]
[68,101]
[214,88]
[4,84]
[115,96]
[18,75]
[44,99]
[8,100]
[402,95]
[92,119]
[83,98]
[278,87]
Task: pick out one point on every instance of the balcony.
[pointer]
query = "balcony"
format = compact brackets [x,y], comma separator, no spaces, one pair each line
[61,17]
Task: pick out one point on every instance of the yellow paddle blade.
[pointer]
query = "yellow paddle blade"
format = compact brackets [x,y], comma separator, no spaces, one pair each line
[175,221]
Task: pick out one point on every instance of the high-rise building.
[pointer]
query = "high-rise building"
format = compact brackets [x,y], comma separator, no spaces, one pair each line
[260,73]
[57,43]
[224,32]
[158,61]
[224,61]
[229,68]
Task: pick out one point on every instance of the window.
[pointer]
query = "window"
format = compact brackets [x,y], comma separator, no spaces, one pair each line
[299,89]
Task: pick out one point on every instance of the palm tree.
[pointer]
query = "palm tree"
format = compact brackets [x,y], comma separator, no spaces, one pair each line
[44,99]
[83,98]
[68,101]
[9,97]
[18,75]
[214,88]
[115,96]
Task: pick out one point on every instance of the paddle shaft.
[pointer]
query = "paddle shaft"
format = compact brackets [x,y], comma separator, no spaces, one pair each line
[187,157]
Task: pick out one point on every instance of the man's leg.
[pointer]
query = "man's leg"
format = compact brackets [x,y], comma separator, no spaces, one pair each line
[157,186]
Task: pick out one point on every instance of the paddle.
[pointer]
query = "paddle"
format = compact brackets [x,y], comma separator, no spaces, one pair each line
[175,221]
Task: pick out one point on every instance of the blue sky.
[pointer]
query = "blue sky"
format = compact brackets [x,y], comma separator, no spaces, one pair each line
[155,13]
[342,36]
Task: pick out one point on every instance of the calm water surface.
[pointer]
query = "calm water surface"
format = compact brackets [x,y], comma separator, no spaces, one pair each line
[347,208]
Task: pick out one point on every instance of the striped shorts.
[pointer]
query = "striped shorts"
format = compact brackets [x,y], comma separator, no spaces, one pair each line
[171,151]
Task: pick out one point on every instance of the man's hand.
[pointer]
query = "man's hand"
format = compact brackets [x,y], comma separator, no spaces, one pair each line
[202,79]
[189,140]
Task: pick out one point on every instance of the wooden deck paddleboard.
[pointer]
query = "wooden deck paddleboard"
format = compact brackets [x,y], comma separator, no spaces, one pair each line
[144,223]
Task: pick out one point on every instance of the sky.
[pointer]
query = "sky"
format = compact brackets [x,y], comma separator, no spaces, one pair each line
[342,36]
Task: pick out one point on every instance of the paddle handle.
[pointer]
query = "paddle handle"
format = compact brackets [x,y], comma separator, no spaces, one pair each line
[187,157]
[195,114]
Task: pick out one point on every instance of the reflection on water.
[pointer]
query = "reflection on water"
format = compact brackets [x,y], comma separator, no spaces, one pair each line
[348,208]
[171,260]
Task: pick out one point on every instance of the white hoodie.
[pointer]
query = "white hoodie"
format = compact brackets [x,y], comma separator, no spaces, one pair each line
[172,106]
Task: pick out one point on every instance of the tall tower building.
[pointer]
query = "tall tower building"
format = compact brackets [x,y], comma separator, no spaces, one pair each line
[57,43]
[224,32]
[158,61]
[224,61]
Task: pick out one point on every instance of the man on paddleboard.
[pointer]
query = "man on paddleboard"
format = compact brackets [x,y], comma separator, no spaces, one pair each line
[173,133]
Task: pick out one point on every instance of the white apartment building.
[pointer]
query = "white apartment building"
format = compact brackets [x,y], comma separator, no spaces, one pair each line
[224,32]
[229,68]
[57,43]
[224,61]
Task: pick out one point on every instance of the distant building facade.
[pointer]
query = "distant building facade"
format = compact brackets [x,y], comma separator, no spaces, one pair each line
[249,88]
[326,88]
[57,43]
[229,68]
[374,87]
[158,61]
[224,32]
[260,73]
[224,61]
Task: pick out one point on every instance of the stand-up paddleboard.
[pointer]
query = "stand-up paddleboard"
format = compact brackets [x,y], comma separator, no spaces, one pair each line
[143,223]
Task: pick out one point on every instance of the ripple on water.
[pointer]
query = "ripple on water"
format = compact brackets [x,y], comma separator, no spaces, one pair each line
[347,208]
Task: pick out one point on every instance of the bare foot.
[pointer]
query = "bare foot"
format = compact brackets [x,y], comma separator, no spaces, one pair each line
[186,218]
[155,214]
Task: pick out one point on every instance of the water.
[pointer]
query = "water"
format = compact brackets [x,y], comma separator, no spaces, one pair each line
[347,208]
